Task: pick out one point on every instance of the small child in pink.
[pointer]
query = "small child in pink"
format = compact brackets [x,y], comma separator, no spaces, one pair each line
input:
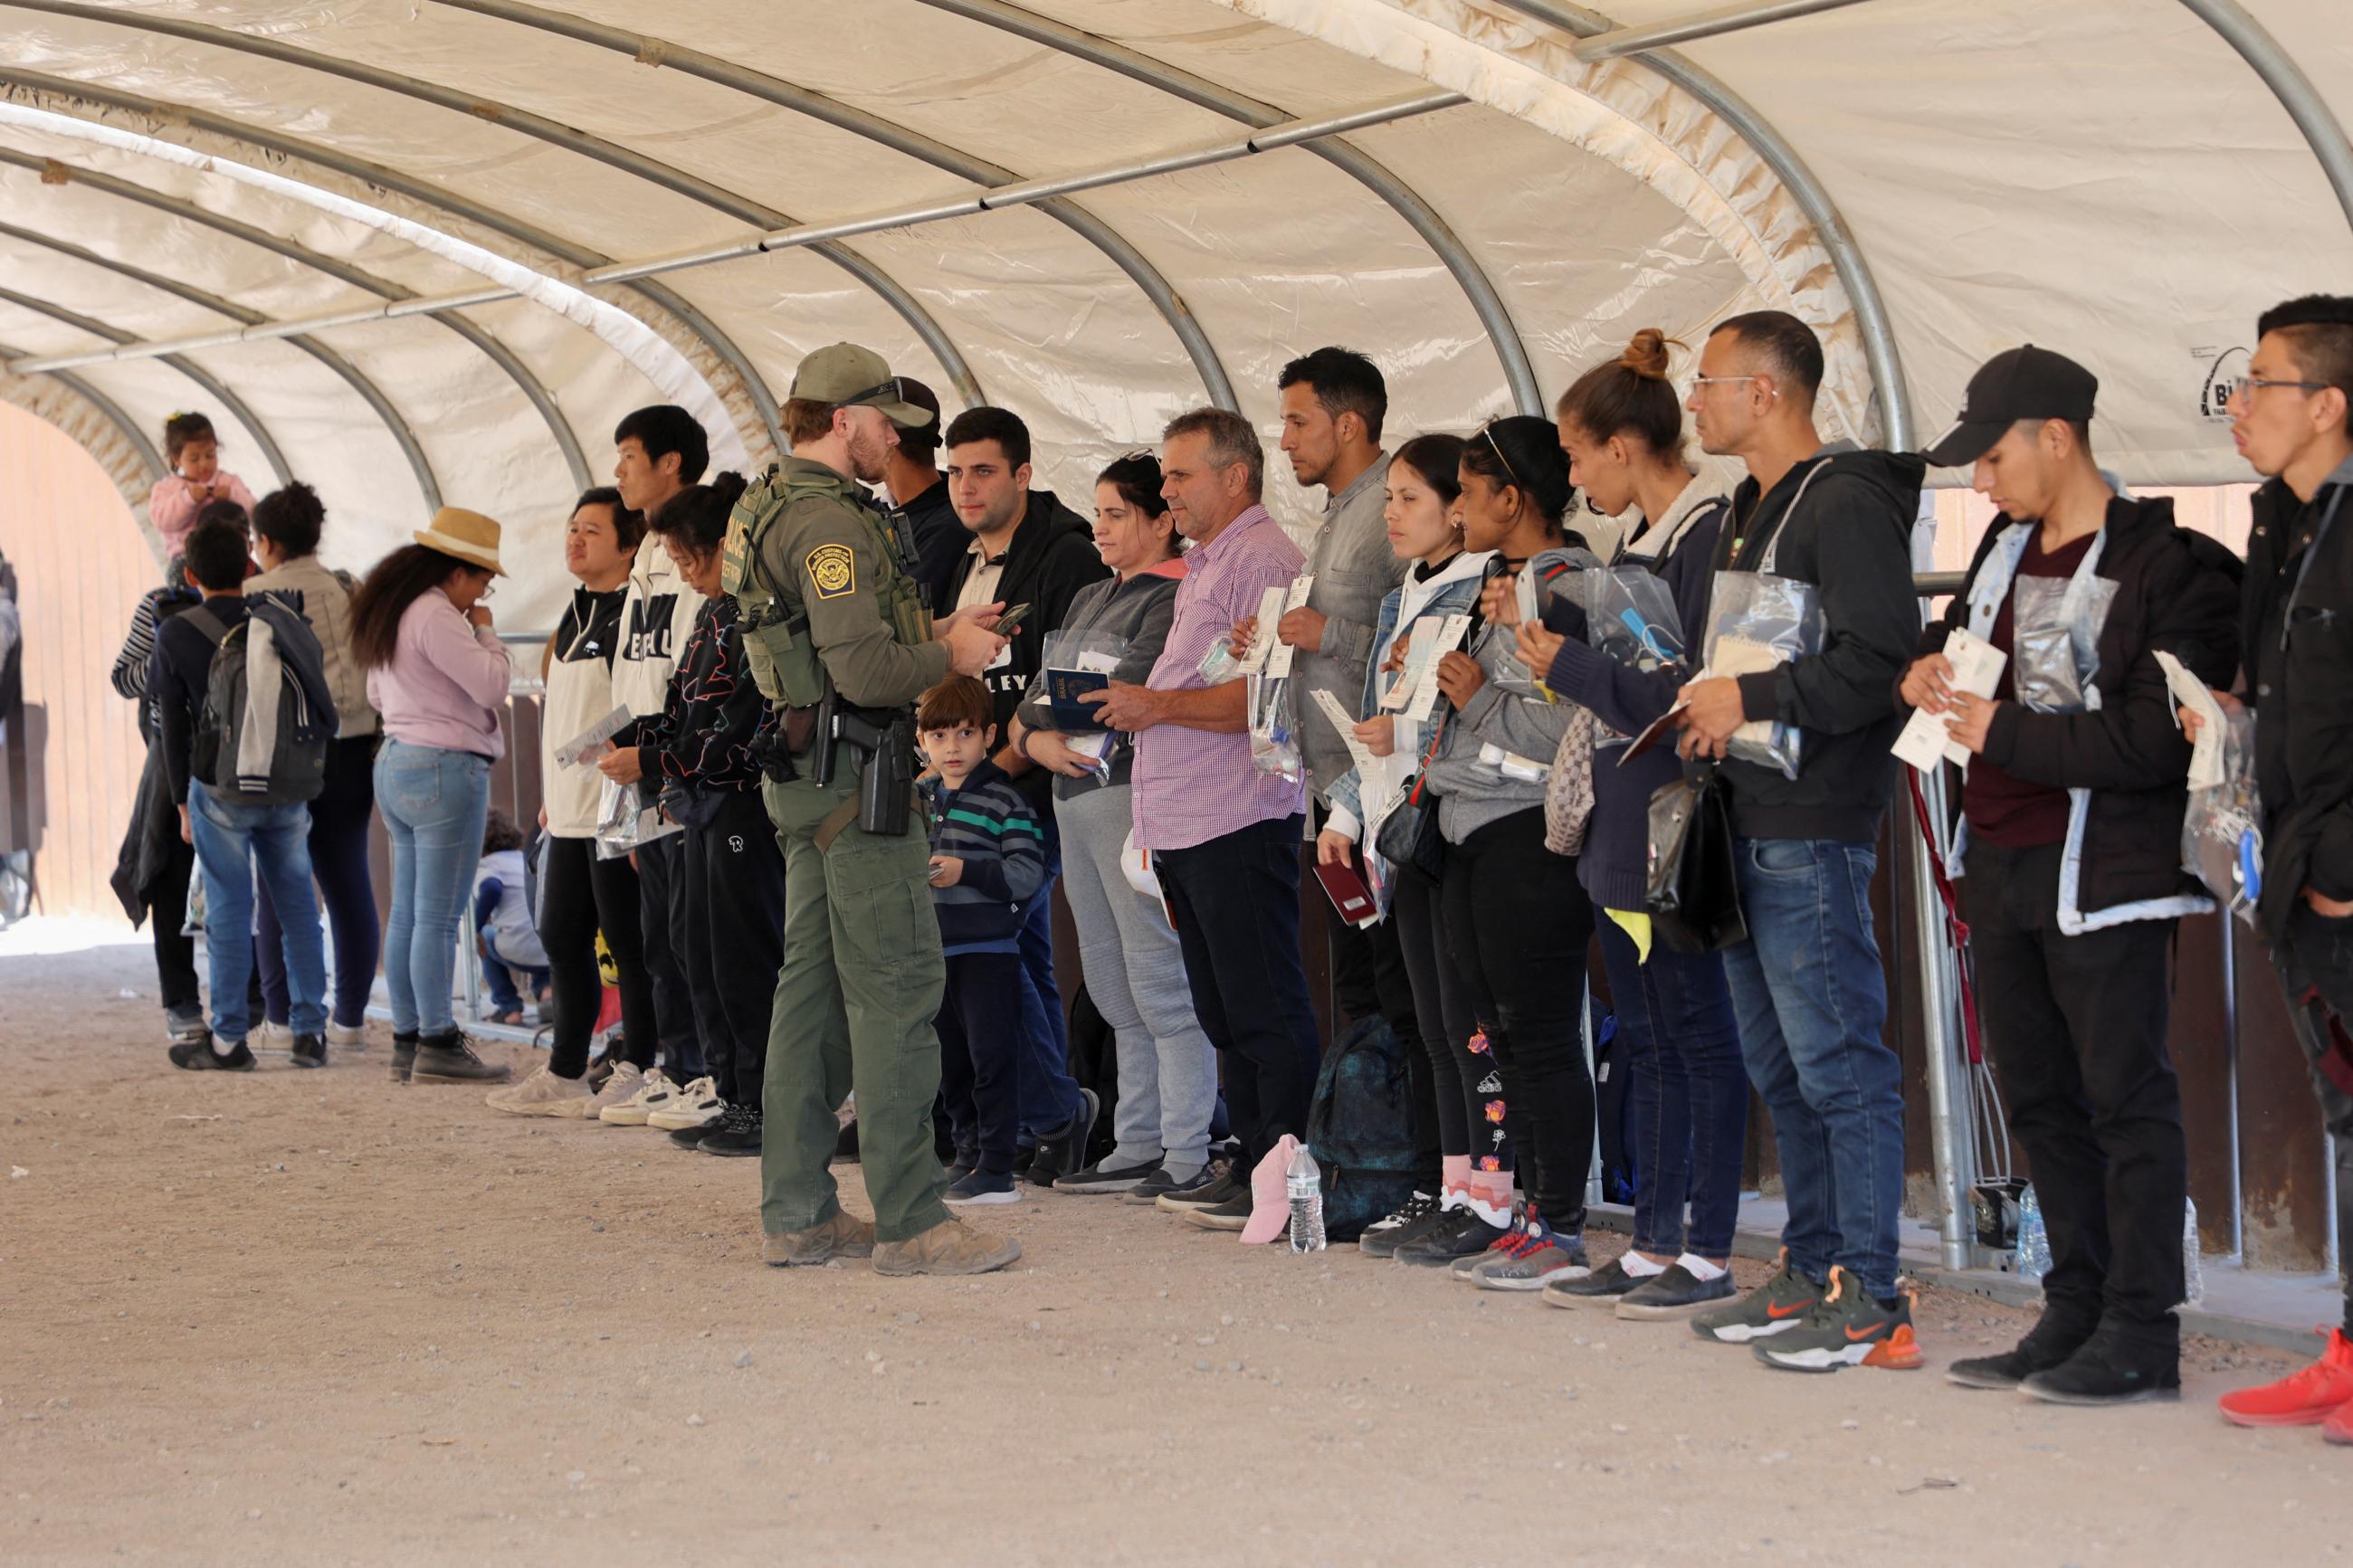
[192,451]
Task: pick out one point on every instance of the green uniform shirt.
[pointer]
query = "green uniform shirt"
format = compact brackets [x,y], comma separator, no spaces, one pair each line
[826,556]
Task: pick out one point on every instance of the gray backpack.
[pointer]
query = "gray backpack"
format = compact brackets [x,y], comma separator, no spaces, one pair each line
[298,752]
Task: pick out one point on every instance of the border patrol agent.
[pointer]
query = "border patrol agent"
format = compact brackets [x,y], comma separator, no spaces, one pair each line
[839,640]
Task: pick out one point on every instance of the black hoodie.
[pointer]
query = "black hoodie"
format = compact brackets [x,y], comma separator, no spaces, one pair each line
[1852,537]
[1051,557]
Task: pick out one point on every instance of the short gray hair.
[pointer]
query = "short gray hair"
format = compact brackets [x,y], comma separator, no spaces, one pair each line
[1231,441]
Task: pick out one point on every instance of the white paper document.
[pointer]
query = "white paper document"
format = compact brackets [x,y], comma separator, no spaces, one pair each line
[589,744]
[1263,643]
[2205,752]
[1927,738]
[1451,633]
[1278,662]
[1369,766]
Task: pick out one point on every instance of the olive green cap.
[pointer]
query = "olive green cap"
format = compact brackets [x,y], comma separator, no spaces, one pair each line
[846,376]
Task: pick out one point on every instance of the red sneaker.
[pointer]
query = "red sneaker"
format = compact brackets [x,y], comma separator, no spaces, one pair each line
[2321,1392]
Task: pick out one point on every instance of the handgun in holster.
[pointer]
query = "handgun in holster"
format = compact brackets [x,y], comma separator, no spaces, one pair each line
[886,767]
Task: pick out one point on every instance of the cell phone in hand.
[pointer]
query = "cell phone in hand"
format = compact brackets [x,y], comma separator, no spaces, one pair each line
[1010,620]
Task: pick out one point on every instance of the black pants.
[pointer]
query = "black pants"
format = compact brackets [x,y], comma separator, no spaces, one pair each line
[1442,1004]
[168,918]
[2315,971]
[2076,1026]
[685,1009]
[736,937]
[579,895]
[981,1048]
[1517,924]
[1236,903]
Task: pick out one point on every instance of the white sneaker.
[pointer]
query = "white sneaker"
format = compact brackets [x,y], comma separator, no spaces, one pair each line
[352,1038]
[653,1090]
[540,1094]
[626,1079]
[696,1105]
[271,1037]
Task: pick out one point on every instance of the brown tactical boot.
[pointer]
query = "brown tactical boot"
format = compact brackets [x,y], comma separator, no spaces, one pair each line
[451,1058]
[948,1248]
[843,1236]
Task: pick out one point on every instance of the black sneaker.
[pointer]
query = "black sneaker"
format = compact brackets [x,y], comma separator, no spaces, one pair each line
[181,1024]
[1457,1233]
[1065,1149]
[1381,1238]
[959,1166]
[1602,1287]
[1231,1214]
[2046,1345]
[1775,1306]
[692,1137]
[451,1058]
[1102,1177]
[601,1068]
[1206,1194]
[737,1133]
[981,1187]
[199,1056]
[1162,1183]
[1848,1327]
[309,1051]
[404,1055]
[2109,1370]
[1677,1293]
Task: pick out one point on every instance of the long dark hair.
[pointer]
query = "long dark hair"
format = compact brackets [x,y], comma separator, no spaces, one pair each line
[697,516]
[397,581]
[1438,459]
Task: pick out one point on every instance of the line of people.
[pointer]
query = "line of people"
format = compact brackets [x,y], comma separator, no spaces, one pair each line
[1087,704]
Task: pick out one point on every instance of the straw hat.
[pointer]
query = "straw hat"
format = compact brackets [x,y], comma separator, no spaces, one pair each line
[467,535]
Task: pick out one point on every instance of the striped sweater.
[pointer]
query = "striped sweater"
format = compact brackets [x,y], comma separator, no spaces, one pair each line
[988,827]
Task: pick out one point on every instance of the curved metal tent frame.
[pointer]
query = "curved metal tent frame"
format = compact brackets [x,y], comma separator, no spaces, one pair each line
[1338,151]
[538,127]
[143,449]
[801,100]
[204,378]
[721,345]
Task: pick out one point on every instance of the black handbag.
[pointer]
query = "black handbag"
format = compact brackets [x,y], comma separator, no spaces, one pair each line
[1408,836]
[1692,885]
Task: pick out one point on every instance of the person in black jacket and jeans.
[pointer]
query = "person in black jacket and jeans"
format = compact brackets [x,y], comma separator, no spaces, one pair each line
[1026,548]
[2071,847]
[1807,985]
[2292,416]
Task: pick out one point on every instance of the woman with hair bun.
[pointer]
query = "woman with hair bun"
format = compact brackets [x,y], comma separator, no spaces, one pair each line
[1516,921]
[287,525]
[1621,427]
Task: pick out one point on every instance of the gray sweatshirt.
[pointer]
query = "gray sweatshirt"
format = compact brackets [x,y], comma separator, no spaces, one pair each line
[1472,793]
[1139,608]
[1354,569]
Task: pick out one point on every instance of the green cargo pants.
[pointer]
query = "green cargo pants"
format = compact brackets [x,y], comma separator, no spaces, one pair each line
[860,984]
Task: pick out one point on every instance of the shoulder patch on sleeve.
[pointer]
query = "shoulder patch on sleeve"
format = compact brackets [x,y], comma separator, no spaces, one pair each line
[833,571]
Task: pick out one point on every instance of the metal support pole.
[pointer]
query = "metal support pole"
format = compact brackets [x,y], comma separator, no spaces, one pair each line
[1950,1125]
[2296,94]
[1704,25]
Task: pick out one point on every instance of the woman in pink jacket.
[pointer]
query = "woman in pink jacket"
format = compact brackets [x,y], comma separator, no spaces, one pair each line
[439,675]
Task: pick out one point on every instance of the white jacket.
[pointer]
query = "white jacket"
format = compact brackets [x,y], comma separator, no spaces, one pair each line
[656,618]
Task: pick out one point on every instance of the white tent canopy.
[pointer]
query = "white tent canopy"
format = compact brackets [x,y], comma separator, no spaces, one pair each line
[502,224]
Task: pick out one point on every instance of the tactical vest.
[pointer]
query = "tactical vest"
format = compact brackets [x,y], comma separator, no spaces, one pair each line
[775,626]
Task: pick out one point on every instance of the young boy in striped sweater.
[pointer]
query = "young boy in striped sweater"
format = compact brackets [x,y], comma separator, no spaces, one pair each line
[989,860]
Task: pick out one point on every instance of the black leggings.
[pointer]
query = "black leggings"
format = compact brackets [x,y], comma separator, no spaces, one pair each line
[1441,1006]
[734,943]
[580,894]
[1517,924]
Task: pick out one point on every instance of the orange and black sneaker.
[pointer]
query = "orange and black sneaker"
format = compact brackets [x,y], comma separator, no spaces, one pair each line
[1848,1327]
[1773,1308]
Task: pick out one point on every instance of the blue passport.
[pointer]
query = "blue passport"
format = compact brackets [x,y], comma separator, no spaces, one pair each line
[1064,688]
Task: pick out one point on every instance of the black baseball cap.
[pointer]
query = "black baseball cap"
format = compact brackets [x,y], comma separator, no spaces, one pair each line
[2019,383]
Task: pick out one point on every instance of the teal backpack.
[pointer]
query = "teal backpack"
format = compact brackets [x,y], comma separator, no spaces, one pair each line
[1360,1130]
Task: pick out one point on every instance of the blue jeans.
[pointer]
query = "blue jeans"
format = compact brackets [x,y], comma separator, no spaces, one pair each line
[1049,1095]
[498,974]
[1811,999]
[433,803]
[231,840]
[1687,1090]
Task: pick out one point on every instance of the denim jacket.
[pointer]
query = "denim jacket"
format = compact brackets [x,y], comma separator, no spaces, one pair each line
[1453,590]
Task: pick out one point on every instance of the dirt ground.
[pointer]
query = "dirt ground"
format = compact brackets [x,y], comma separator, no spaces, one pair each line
[315,1318]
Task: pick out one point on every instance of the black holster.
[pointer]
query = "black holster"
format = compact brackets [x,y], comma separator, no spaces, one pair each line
[886,769]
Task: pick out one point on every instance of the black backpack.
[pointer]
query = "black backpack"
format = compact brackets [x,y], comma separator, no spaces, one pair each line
[1360,1129]
[298,762]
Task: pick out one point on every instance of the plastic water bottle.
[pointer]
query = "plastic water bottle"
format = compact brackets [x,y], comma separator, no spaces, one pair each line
[1304,1180]
[2033,1241]
[2192,1278]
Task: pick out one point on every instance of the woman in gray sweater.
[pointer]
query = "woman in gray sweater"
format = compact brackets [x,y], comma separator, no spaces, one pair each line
[1516,921]
[1135,970]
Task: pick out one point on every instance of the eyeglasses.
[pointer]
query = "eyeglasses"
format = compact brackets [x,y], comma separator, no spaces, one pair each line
[891,389]
[2246,386]
[1730,381]
[1497,447]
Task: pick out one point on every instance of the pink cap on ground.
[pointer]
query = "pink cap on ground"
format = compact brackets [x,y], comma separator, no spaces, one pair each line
[1270,1195]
